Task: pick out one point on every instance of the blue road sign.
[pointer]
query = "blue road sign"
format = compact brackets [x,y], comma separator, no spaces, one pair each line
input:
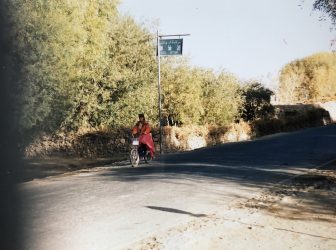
[170,47]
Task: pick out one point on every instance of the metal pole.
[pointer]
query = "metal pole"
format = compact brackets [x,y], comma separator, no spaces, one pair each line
[179,35]
[159,87]
[158,37]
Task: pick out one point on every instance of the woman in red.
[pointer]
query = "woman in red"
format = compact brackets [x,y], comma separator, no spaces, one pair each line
[143,129]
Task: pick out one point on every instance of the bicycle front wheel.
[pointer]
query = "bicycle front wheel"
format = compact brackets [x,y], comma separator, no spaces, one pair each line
[134,157]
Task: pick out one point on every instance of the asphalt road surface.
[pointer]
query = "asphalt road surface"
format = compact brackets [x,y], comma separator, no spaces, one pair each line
[163,204]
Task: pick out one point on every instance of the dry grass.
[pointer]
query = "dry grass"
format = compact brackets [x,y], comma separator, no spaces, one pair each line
[192,137]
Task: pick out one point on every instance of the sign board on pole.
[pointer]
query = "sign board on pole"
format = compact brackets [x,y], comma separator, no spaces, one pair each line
[170,47]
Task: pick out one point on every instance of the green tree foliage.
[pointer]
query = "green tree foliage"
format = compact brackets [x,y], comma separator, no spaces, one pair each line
[222,99]
[84,66]
[197,96]
[182,92]
[257,102]
[309,79]
[123,86]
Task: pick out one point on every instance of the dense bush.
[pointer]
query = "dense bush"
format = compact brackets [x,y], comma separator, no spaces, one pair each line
[181,91]
[257,102]
[222,99]
[198,96]
[296,119]
[309,79]
[82,65]
[85,67]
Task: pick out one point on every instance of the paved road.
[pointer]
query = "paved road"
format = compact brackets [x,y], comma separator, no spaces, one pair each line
[116,207]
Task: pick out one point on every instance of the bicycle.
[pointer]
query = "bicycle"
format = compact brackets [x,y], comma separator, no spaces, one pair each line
[138,151]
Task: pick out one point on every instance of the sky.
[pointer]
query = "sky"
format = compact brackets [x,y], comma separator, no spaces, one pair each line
[251,39]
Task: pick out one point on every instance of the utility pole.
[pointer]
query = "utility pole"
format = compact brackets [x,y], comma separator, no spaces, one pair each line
[159,87]
[170,47]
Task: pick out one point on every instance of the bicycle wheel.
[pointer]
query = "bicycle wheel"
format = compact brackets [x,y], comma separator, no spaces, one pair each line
[134,157]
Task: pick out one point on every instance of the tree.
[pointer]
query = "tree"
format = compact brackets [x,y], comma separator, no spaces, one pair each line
[309,79]
[328,7]
[85,67]
[222,99]
[81,64]
[198,96]
[257,103]
[181,92]
[58,46]
[123,83]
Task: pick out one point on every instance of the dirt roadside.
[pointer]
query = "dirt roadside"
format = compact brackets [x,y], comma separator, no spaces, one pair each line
[37,168]
[298,213]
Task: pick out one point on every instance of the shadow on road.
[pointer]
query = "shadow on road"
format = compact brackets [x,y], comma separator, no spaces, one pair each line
[261,163]
[55,165]
[176,211]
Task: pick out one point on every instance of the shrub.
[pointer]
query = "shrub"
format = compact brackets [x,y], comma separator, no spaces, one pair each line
[257,102]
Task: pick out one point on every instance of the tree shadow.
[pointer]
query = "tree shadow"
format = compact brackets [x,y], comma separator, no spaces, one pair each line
[261,163]
[176,211]
[37,168]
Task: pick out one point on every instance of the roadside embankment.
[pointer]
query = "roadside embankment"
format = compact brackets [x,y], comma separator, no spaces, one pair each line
[102,144]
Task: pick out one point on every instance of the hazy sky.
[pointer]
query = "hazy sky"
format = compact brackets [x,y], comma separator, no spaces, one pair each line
[251,39]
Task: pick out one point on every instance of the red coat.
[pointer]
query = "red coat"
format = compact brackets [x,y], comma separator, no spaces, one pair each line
[145,136]
[148,141]
[145,129]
